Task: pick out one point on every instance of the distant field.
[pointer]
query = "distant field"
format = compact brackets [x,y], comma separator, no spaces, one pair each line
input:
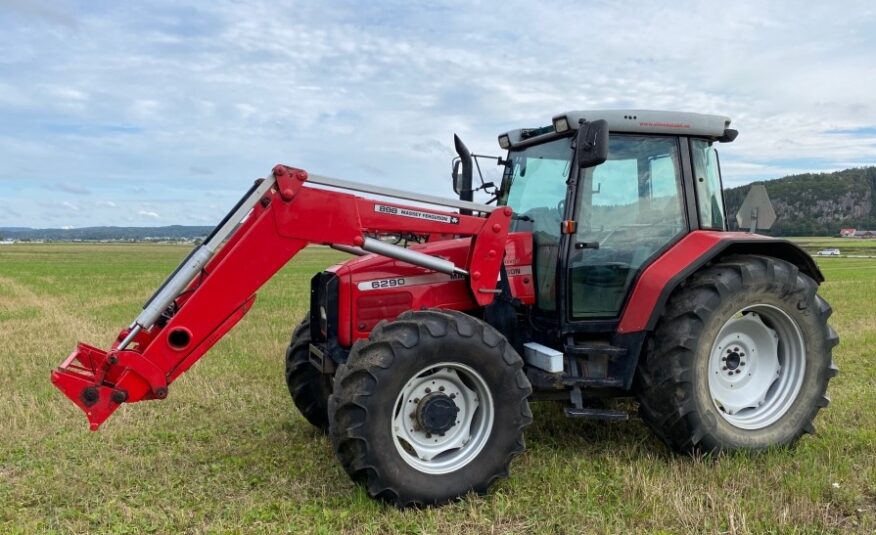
[847,246]
[226,452]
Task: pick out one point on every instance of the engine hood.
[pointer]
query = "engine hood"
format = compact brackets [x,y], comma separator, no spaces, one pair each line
[374,287]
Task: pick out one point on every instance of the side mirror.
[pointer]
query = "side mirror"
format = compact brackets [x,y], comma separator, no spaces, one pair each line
[457,176]
[591,145]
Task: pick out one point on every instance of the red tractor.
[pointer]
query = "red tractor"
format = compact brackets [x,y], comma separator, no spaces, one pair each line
[602,267]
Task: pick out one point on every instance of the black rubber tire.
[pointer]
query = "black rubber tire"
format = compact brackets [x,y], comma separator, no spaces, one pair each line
[367,386]
[672,377]
[309,388]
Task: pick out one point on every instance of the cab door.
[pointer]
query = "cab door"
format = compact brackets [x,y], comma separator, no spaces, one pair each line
[628,209]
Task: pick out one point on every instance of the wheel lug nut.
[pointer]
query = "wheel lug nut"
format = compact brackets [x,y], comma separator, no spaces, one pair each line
[724,368]
[428,390]
[441,389]
[428,435]
[452,396]
[416,400]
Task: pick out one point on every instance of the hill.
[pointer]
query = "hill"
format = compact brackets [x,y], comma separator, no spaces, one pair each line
[172,232]
[817,204]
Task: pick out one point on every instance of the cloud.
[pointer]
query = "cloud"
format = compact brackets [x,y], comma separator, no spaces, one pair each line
[9,211]
[198,170]
[57,12]
[107,204]
[149,214]
[127,96]
[70,188]
[70,206]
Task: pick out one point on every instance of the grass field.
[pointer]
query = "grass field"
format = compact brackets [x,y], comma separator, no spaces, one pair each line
[226,452]
[847,246]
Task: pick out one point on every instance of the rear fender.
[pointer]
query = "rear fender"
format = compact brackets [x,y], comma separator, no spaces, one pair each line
[696,250]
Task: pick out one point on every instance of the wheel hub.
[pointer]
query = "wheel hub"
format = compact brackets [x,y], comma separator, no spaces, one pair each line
[436,413]
[443,417]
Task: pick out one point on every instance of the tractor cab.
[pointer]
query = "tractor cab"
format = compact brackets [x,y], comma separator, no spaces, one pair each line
[604,193]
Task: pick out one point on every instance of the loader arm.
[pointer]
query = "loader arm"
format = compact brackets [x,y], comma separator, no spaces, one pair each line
[215,286]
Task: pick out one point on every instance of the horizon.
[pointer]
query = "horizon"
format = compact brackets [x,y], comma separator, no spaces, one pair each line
[211,225]
[160,113]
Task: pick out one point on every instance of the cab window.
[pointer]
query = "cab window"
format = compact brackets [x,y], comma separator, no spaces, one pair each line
[707,177]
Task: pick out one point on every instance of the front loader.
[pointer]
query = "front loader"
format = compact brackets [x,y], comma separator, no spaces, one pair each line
[601,268]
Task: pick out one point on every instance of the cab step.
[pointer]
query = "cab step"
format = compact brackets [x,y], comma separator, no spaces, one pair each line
[595,349]
[605,415]
[593,382]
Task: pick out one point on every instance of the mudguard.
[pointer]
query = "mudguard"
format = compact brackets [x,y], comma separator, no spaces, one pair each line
[657,282]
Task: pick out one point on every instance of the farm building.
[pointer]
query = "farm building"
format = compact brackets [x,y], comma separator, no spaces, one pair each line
[855,233]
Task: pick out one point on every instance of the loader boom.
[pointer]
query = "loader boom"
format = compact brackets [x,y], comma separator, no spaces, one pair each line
[215,285]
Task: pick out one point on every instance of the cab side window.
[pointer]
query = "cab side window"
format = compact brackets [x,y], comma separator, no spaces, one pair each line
[707,177]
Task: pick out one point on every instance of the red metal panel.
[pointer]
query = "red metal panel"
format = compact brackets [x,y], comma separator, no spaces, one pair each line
[650,285]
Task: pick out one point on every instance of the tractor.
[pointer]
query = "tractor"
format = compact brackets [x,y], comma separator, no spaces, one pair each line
[601,266]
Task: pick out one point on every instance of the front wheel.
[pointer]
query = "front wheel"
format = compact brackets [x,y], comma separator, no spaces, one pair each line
[740,360]
[430,407]
[308,387]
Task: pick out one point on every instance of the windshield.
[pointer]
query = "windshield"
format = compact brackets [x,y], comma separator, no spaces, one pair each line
[535,178]
[534,185]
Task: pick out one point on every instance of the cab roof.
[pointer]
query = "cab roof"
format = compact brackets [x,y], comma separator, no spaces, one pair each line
[680,123]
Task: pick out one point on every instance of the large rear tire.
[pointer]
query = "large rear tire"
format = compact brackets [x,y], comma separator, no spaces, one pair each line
[309,388]
[432,406]
[740,360]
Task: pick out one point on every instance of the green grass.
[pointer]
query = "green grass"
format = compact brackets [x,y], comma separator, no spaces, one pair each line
[226,452]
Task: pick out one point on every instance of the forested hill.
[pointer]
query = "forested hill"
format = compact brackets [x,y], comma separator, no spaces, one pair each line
[817,204]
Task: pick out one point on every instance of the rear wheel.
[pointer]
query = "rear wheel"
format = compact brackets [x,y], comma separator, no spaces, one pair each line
[430,407]
[308,387]
[740,360]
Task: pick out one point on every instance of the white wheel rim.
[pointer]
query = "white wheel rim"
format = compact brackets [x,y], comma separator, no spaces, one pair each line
[432,453]
[756,366]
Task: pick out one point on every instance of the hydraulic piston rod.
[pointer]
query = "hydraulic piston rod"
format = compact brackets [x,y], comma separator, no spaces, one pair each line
[194,263]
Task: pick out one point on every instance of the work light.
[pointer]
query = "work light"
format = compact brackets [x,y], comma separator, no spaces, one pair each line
[561,124]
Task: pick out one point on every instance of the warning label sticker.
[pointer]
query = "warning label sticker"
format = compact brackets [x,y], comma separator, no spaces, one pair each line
[416,214]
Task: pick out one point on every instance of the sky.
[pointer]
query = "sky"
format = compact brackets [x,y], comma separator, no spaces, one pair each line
[163,112]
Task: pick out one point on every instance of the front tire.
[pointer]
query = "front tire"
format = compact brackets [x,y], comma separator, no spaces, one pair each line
[740,360]
[432,406]
[308,387]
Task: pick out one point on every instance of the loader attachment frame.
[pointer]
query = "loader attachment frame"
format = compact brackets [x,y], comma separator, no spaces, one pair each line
[216,284]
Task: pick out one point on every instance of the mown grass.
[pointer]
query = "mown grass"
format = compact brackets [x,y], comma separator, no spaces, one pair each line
[226,452]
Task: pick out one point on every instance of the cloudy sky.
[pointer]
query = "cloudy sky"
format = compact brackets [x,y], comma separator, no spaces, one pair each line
[163,112]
